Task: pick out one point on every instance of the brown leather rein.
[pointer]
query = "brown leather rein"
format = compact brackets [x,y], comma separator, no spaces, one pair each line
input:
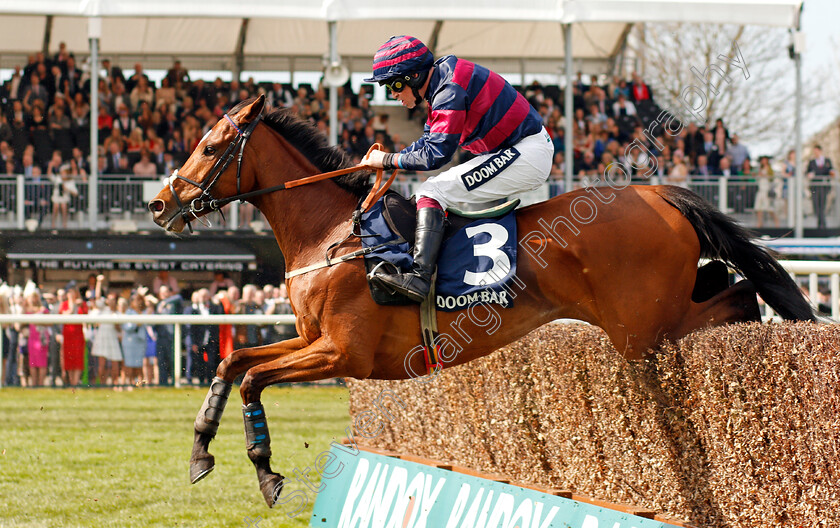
[237,149]
[206,202]
[376,192]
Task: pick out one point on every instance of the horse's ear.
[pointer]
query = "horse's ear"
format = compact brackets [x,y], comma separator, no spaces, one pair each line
[250,112]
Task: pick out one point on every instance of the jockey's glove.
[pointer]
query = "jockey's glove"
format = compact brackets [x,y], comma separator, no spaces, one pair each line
[376,159]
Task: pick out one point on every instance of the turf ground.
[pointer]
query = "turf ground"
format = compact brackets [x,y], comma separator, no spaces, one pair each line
[98,458]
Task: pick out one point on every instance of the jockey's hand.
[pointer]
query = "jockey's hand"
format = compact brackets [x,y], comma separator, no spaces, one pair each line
[375,159]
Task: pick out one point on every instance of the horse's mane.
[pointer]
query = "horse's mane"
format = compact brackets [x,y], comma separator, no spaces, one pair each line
[306,138]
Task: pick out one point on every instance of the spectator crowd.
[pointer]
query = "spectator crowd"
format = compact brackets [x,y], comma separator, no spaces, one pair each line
[612,116]
[148,129]
[129,354]
[145,128]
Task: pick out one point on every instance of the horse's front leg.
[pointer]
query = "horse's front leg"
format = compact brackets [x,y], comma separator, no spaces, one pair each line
[320,360]
[207,421]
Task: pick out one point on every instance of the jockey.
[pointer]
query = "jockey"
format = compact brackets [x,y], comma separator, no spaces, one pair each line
[469,107]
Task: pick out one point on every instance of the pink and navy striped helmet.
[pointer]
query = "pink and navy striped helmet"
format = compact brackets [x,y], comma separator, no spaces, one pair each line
[401,55]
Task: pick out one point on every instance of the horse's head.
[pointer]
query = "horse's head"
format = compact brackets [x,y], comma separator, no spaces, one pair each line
[214,172]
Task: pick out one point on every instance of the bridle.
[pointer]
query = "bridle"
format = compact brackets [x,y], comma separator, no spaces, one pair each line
[235,148]
[205,202]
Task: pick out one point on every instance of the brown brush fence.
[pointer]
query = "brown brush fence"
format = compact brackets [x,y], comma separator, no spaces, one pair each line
[735,426]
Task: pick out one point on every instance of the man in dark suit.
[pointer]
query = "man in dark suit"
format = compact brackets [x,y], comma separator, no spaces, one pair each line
[711,150]
[177,73]
[116,161]
[201,92]
[169,304]
[35,92]
[820,173]
[12,89]
[138,74]
[73,75]
[693,141]
[204,339]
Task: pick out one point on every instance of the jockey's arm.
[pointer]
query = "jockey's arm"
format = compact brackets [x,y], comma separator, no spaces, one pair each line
[441,135]
[429,152]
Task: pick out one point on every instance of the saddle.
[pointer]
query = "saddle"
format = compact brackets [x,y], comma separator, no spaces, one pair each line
[398,215]
[401,215]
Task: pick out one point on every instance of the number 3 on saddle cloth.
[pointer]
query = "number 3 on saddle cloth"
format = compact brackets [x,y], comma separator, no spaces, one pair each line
[477,258]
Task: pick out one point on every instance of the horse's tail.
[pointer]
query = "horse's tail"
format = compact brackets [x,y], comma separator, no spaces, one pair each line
[722,238]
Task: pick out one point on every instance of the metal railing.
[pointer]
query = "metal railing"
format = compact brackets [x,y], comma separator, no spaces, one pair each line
[146,319]
[122,199]
[819,273]
[826,273]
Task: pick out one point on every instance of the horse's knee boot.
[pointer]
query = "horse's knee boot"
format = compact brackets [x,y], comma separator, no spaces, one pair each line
[257,439]
[207,421]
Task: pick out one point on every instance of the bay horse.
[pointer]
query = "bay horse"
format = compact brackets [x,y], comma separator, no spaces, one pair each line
[631,269]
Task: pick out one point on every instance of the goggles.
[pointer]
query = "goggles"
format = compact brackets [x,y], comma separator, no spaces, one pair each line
[397,85]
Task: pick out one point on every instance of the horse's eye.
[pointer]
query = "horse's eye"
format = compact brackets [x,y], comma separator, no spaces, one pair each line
[209,151]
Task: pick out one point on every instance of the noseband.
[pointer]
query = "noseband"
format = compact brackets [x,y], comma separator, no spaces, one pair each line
[235,148]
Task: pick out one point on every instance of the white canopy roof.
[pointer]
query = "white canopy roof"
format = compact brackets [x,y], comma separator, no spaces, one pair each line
[205,33]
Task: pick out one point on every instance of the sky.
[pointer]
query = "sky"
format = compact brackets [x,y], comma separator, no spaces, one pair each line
[821,26]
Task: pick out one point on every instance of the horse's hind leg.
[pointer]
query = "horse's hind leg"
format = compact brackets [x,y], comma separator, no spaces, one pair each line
[712,278]
[735,304]
[317,361]
[207,421]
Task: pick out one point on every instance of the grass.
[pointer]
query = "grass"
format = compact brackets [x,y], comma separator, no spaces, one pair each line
[84,458]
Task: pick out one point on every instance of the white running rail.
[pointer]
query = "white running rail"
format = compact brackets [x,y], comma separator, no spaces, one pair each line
[814,270]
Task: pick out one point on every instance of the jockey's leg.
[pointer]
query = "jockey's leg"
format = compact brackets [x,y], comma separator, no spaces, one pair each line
[485,178]
[429,235]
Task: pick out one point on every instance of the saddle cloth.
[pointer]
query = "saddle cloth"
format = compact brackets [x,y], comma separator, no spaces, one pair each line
[476,261]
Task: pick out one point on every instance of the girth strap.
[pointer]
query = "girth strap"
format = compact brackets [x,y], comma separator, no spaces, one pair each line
[328,262]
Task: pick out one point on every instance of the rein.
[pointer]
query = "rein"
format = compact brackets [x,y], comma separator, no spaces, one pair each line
[237,148]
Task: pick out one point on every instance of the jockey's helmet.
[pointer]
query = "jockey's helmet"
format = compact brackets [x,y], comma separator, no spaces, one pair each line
[402,60]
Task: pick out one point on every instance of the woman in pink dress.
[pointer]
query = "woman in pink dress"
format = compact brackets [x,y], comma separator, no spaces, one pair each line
[38,341]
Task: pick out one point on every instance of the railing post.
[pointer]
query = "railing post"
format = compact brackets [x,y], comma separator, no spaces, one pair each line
[723,193]
[234,216]
[94,34]
[813,289]
[176,374]
[21,206]
[791,212]
[835,296]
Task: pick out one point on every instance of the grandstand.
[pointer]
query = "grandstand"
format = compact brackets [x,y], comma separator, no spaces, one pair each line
[153,109]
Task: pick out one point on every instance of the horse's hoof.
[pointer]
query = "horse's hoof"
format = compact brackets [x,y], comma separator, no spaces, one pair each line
[271,488]
[201,468]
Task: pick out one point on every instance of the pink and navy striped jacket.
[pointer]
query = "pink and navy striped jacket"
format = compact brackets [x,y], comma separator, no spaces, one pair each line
[471,107]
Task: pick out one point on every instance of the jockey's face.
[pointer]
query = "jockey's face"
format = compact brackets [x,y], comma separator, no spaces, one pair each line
[405,97]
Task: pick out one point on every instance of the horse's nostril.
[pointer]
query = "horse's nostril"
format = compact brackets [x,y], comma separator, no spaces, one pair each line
[156,206]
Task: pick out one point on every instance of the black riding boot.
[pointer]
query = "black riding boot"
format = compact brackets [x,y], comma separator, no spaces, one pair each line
[416,284]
